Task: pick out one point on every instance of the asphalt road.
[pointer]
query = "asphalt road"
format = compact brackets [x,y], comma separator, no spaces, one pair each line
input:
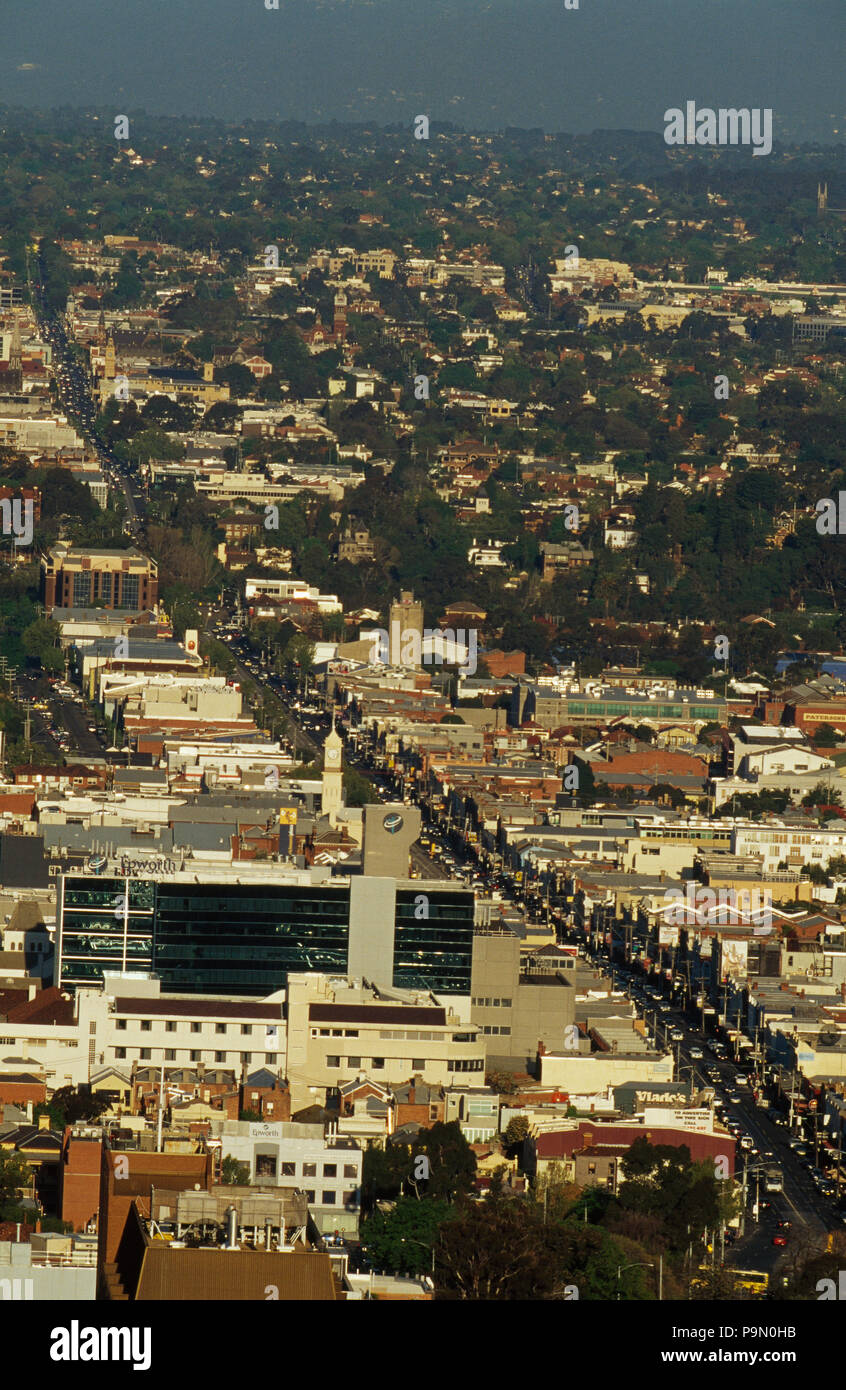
[810,1215]
[74,390]
[274,687]
[65,715]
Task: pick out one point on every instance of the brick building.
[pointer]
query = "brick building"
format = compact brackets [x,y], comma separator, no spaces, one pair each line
[21,1088]
[418,1103]
[79,1175]
[267,1094]
[77,577]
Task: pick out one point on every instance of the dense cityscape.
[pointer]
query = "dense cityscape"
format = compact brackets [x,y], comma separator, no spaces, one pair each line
[421,622]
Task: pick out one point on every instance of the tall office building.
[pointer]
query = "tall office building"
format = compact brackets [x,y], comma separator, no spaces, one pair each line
[239,929]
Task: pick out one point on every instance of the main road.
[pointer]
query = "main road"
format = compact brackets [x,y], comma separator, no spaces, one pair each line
[73,386]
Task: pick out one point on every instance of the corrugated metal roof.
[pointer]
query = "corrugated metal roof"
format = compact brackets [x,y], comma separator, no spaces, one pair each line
[234,1275]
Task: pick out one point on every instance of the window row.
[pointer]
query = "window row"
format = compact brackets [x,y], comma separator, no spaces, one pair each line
[408,1035]
[146,1026]
[145,1054]
[371,1063]
[266,1167]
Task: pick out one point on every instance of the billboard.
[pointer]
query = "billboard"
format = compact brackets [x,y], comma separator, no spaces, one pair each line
[734,959]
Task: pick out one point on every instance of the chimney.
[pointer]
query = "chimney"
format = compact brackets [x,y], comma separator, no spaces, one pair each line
[43,1122]
[411,1091]
[231,1216]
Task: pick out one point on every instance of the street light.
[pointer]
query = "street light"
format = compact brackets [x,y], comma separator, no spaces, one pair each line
[411,1240]
[644,1264]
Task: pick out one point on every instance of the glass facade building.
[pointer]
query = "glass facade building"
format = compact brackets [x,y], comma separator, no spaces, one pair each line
[433,951]
[227,937]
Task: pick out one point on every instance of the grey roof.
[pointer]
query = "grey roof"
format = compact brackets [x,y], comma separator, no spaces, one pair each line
[636,883]
[140,649]
[110,615]
[143,776]
[560,834]
[209,836]
[95,838]
[22,862]
[230,809]
[263,1077]
[683,781]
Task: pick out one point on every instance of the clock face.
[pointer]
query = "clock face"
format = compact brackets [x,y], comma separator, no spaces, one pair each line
[331,755]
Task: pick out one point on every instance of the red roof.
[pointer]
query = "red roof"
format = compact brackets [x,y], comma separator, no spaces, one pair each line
[47,1006]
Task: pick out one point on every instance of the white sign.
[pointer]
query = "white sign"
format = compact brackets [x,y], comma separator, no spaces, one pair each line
[265,1131]
[697,1121]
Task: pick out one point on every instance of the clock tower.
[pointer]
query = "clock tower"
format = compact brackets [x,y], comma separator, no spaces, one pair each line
[333,773]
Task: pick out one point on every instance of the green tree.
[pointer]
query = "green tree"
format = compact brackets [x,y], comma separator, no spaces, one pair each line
[237,377]
[383,1172]
[402,1240]
[504,1082]
[452,1163]
[74,1104]
[234,1173]
[492,1251]
[516,1130]
[15,1175]
[822,795]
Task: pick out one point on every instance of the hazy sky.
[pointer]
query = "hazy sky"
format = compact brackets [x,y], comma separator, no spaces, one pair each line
[481,63]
